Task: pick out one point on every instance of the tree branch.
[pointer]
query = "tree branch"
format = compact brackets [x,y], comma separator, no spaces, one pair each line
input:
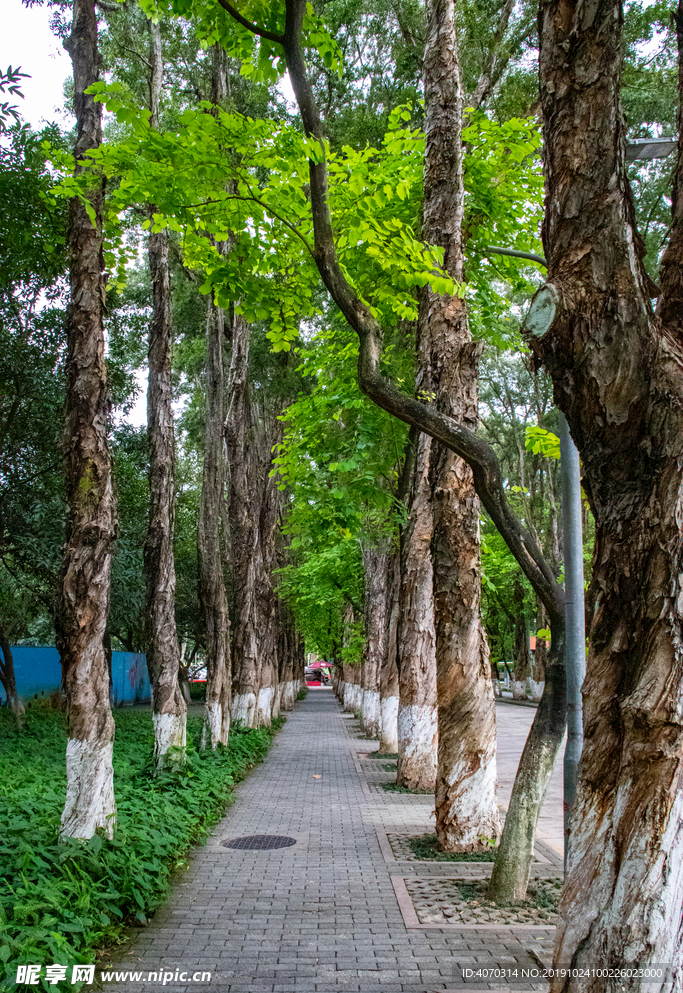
[277,39]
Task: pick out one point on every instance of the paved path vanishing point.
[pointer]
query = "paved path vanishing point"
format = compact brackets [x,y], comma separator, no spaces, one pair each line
[323,914]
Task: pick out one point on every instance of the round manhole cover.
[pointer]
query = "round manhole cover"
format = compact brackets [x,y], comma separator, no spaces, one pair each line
[260,842]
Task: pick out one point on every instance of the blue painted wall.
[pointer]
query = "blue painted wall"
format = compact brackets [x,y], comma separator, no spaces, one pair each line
[38,672]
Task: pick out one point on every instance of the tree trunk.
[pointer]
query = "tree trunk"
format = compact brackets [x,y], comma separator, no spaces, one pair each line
[510,876]
[388,677]
[7,677]
[211,585]
[263,484]
[243,517]
[83,604]
[540,655]
[616,370]
[466,787]
[376,570]
[521,654]
[163,656]
[288,653]
[417,716]
[348,699]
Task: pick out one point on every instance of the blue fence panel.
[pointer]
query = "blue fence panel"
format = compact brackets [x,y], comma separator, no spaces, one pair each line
[38,672]
[130,679]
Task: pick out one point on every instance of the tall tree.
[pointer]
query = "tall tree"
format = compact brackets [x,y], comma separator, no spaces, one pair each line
[377,591]
[616,369]
[244,519]
[466,787]
[163,654]
[211,580]
[84,598]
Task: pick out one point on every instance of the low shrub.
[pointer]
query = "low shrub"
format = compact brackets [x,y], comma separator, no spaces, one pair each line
[59,902]
[301,695]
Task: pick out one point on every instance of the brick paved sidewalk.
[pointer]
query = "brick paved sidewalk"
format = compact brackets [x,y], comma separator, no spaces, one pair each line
[321,915]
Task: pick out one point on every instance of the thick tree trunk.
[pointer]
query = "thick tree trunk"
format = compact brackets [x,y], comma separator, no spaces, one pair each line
[376,571]
[466,787]
[83,604]
[388,677]
[617,374]
[163,656]
[417,715]
[211,584]
[7,678]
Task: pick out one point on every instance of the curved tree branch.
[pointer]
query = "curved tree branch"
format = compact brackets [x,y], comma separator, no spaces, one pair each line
[277,39]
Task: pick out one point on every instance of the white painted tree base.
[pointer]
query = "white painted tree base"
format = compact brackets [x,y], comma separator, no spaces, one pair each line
[288,695]
[264,706]
[417,730]
[518,689]
[90,804]
[535,688]
[348,698]
[169,732]
[213,721]
[389,735]
[357,697]
[372,715]
[472,808]
[244,708]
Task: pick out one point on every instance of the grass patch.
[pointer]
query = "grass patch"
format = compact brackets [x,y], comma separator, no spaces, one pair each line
[382,755]
[424,847]
[396,788]
[542,894]
[60,902]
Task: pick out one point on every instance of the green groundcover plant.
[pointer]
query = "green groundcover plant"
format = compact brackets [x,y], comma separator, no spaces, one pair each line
[60,902]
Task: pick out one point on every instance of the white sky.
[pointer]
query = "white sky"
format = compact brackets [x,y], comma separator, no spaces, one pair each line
[26,41]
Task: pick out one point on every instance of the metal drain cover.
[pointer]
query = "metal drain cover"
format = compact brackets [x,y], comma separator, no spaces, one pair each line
[260,842]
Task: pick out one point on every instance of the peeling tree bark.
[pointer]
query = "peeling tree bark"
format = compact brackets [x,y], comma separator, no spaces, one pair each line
[617,373]
[163,654]
[211,584]
[466,788]
[83,602]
